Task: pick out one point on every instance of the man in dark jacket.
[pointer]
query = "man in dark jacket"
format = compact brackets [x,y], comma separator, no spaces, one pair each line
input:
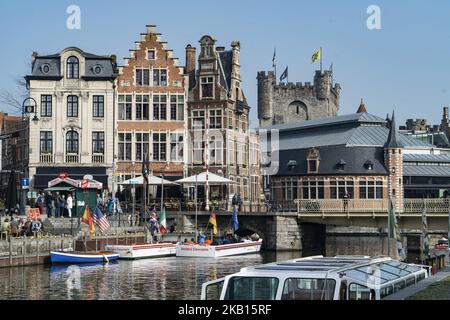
[48,204]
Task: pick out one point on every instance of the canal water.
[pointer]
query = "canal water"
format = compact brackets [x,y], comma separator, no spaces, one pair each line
[151,279]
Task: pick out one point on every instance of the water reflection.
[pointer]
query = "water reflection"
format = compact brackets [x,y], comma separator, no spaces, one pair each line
[152,279]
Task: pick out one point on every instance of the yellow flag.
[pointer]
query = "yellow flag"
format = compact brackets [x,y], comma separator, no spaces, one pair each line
[316,56]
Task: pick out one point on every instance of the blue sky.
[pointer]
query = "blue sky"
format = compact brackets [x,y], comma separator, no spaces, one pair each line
[405,65]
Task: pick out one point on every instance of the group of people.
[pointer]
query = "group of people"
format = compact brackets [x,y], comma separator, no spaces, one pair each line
[58,205]
[21,226]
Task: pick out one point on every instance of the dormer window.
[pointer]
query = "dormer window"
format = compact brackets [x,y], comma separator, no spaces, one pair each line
[45,68]
[97,69]
[313,160]
[368,165]
[292,164]
[73,70]
[341,165]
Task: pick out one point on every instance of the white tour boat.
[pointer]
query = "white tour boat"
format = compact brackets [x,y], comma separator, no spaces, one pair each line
[215,251]
[143,251]
[318,278]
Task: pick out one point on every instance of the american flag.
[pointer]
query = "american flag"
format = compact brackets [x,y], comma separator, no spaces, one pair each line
[100,220]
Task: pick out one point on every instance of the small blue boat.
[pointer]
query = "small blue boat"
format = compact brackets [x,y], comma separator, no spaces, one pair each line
[83,257]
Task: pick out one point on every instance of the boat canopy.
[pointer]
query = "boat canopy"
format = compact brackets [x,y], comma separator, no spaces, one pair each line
[213,179]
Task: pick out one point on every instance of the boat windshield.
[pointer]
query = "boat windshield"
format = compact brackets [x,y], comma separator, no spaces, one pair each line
[251,288]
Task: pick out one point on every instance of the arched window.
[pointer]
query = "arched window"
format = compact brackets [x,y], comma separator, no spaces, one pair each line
[72,142]
[72,68]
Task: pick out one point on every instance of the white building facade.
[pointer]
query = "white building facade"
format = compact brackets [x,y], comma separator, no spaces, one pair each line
[73,136]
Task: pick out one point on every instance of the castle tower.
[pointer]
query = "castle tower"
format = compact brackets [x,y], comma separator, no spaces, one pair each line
[266,84]
[293,103]
[393,159]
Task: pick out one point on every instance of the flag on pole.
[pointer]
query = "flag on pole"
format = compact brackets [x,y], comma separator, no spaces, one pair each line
[100,220]
[274,59]
[163,221]
[235,220]
[87,219]
[316,56]
[394,230]
[284,75]
[213,222]
[425,247]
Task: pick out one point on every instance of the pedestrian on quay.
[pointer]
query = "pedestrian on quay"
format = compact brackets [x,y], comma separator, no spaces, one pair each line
[48,204]
[99,200]
[69,205]
[56,202]
[110,205]
[40,201]
[62,203]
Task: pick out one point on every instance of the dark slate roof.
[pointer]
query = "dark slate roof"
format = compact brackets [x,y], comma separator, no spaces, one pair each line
[54,63]
[355,159]
[226,62]
[393,141]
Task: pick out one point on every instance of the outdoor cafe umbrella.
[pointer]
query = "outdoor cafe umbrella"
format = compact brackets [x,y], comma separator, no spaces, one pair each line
[213,179]
[11,194]
[152,181]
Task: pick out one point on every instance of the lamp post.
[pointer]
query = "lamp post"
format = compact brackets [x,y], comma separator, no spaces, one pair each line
[27,109]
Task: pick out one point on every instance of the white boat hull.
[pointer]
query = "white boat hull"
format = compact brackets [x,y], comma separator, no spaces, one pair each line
[143,251]
[232,249]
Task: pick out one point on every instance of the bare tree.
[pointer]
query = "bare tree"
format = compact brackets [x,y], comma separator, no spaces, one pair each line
[13,99]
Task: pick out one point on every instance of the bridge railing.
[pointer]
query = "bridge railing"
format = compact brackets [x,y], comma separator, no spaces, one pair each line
[367,206]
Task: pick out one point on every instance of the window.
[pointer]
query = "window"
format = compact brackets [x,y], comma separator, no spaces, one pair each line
[125,107]
[98,142]
[289,189]
[142,107]
[99,106]
[214,290]
[198,151]
[46,105]
[125,146]
[207,87]
[176,147]
[160,77]
[251,288]
[72,68]
[308,289]
[198,119]
[370,189]
[177,107]
[159,107]
[72,106]
[312,166]
[216,151]
[338,188]
[313,189]
[359,292]
[46,142]
[215,119]
[72,142]
[151,54]
[142,77]
[159,146]
[142,145]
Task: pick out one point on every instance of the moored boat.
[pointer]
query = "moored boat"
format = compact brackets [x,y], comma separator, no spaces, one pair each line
[82,257]
[143,251]
[216,251]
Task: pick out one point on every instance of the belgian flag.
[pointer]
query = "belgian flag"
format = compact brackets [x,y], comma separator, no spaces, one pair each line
[213,222]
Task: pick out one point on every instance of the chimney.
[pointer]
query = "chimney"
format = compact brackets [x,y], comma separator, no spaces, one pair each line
[34,56]
[220,49]
[445,112]
[190,64]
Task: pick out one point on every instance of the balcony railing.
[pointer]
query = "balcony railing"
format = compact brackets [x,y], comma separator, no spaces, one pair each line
[46,158]
[72,158]
[98,158]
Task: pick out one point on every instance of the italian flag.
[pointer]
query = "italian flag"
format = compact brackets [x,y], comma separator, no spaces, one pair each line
[162,221]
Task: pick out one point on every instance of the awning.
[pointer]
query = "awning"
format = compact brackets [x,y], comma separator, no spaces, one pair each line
[152,181]
[213,179]
[56,189]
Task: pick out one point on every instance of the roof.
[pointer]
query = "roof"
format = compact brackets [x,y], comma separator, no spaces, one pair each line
[425,170]
[355,160]
[226,62]
[362,107]
[444,158]
[393,141]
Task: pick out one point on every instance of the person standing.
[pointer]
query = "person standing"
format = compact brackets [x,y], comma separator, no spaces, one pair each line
[40,202]
[56,200]
[69,205]
[62,202]
[48,204]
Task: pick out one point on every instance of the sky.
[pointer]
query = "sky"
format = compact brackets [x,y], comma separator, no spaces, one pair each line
[404,66]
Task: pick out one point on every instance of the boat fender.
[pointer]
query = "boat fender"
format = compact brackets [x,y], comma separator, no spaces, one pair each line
[106,258]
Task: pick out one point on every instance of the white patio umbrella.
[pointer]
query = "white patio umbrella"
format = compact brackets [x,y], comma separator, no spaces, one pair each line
[213,179]
[152,181]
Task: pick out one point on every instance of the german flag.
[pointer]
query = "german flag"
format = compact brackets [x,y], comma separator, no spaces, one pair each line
[213,222]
